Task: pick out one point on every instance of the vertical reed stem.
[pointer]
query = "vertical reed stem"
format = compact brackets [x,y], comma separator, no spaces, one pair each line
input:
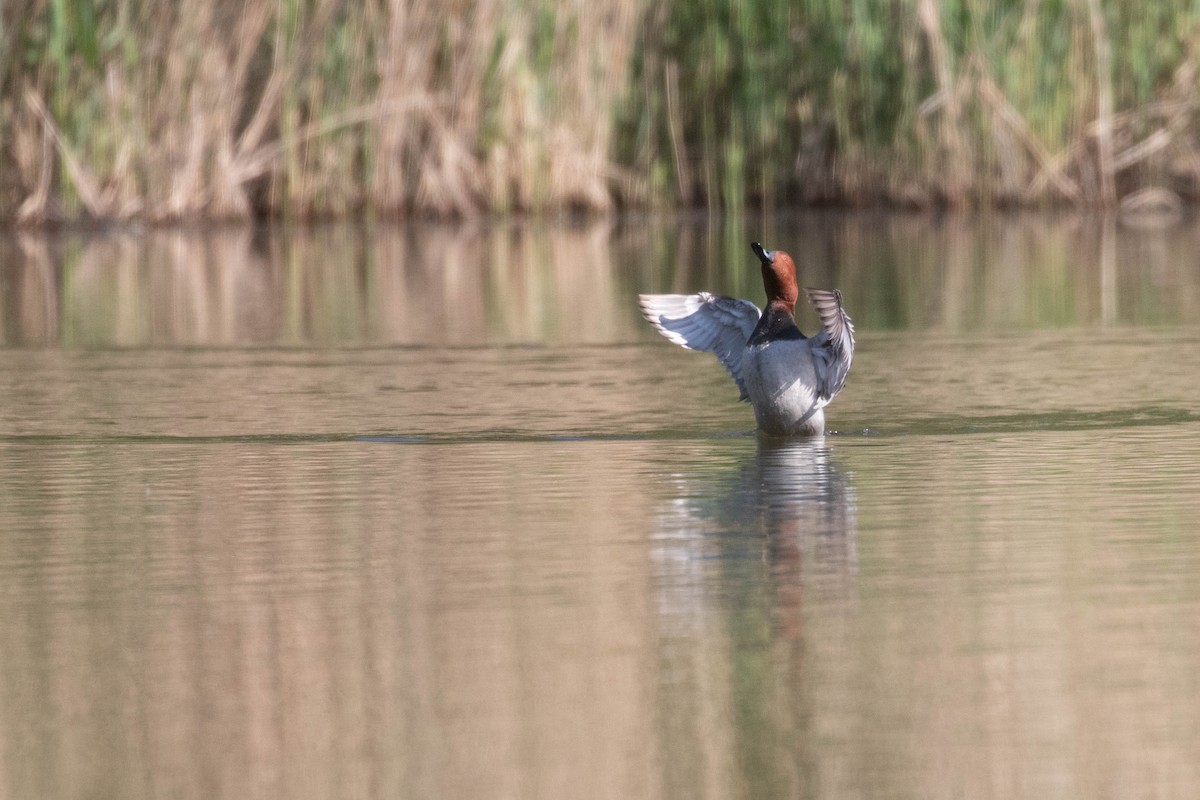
[951,139]
[1104,102]
[683,171]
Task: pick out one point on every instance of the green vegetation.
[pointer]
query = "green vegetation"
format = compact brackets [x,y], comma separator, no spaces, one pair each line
[220,108]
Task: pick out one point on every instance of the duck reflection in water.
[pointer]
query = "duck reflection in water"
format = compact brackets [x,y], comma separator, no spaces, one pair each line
[780,527]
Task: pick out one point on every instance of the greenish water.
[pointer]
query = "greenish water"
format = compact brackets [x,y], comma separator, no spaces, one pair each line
[432,513]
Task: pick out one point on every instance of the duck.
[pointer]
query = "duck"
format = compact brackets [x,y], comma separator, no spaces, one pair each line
[788,378]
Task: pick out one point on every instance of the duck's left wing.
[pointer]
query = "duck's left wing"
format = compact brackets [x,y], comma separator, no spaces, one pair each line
[708,322]
[833,348]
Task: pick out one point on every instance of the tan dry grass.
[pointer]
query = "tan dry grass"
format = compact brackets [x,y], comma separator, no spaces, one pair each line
[222,109]
[169,111]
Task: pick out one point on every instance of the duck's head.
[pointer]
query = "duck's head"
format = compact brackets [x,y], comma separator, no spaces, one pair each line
[779,277]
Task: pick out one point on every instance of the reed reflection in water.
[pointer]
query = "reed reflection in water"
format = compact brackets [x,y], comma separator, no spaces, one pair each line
[539,284]
[338,620]
[602,619]
[281,622]
[431,512]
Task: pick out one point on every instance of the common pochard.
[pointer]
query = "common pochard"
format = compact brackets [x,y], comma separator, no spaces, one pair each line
[787,377]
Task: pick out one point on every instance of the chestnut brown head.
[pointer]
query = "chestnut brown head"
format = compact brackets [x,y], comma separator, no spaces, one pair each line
[779,277]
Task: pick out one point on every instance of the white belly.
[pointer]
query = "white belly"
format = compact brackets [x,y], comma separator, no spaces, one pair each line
[781,380]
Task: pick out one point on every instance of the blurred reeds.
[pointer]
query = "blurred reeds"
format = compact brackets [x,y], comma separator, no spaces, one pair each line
[170,111]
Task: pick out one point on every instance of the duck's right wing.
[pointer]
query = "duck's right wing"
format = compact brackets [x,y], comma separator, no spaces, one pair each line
[708,322]
[833,348]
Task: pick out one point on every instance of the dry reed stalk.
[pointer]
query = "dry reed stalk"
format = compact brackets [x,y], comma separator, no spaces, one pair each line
[193,100]
[33,152]
[85,184]
[1010,117]
[405,65]
[956,170]
[513,138]
[1104,102]
[1152,144]
[683,170]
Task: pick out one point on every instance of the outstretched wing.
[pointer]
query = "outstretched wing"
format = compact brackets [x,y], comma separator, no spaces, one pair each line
[833,348]
[707,322]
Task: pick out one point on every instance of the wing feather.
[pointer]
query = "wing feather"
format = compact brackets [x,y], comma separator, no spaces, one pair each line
[834,346]
[706,322]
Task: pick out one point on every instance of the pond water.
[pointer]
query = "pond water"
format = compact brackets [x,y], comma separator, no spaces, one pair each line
[431,512]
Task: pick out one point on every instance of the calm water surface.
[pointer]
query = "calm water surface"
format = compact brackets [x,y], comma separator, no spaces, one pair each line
[430,513]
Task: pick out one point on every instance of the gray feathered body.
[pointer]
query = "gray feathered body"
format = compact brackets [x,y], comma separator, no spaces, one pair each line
[787,378]
[781,378]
